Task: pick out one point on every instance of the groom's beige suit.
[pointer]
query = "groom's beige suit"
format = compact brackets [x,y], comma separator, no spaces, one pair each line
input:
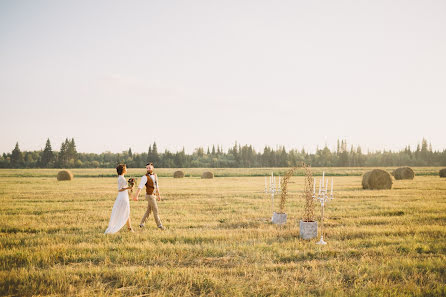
[150,181]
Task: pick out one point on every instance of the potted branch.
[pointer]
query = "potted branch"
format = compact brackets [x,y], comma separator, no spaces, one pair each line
[280,217]
[308,225]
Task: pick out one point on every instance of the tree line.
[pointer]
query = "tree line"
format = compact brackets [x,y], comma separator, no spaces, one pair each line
[215,157]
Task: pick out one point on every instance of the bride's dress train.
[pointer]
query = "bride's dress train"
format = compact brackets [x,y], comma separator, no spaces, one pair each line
[121,209]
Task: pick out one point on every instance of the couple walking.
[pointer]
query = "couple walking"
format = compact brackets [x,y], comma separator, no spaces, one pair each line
[121,209]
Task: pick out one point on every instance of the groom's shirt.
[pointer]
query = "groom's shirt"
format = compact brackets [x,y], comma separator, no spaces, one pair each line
[144,181]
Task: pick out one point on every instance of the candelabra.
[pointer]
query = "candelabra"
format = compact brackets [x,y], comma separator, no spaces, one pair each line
[323,198]
[272,188]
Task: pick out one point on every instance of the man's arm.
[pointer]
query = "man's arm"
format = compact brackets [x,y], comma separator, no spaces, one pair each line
[135,198]
[141,185]
[157,189]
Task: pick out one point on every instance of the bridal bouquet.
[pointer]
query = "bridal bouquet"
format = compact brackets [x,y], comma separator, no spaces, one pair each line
[131,183]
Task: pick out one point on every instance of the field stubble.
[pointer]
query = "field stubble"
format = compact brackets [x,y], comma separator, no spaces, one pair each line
[219,240]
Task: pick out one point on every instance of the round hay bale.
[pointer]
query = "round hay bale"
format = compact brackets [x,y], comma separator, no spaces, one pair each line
[376,179]
[64,175]
[443,172]
[403,173]
[207,174]
[178,174]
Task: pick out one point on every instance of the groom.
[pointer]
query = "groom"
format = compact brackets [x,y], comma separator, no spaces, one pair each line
[150,180]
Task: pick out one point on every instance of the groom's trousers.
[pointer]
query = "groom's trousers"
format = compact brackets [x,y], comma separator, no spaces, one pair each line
[152,206]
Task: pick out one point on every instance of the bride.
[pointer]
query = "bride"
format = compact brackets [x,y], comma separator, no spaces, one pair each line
[121,209]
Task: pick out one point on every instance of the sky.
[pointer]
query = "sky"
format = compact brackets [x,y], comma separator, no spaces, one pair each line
[120,74]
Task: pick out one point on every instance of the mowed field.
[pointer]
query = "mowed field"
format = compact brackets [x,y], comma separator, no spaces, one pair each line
[219,239]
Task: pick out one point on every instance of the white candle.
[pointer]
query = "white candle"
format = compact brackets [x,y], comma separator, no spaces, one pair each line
[323,175]
[331,186]
[326,187]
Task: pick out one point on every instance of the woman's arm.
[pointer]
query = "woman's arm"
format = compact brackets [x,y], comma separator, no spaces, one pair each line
[125,189]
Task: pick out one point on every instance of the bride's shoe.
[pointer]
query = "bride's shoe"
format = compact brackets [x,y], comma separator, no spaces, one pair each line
[130,229]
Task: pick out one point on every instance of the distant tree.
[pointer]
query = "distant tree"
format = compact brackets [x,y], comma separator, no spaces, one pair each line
[62,157]
[48,155]
[16,157]
[71,150]
[200,152]
[67,154]
[155,156]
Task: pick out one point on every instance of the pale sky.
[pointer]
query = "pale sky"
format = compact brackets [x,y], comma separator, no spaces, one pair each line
[120,74]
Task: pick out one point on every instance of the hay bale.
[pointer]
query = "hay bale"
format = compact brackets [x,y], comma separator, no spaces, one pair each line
[207,174]
[376,179]
[178,174]
[403,173]
[443,172]
[64,175]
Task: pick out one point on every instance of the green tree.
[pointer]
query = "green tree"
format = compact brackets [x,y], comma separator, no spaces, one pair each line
[48,155]
[71,150]
[63,154]
[156,156]
[17,157]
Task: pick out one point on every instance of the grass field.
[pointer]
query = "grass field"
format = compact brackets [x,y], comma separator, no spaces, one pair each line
[219,172]
[219,240]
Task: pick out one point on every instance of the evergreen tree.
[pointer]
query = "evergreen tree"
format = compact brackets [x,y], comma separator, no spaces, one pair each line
[71,150]
[16,157]
[63,154]
[48,155]
[155,155]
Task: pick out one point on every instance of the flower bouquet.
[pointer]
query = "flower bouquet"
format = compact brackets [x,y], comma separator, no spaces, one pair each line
[131,183]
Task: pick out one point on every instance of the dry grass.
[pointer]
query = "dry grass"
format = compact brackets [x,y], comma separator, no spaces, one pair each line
[218,172]
[219,240]
[307,196]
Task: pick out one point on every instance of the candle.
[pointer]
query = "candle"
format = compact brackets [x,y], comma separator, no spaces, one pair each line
[326,187]
[314,185]
[331,186]
[323,175]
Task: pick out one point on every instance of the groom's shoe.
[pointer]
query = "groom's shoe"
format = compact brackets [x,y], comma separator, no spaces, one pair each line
[161,227]
[141,226]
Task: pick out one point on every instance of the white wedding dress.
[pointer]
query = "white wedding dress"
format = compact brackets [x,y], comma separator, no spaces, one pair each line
[121,209]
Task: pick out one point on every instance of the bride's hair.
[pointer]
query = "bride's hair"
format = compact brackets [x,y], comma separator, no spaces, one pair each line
[120,168]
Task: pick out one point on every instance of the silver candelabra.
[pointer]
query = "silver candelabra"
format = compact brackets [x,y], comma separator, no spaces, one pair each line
[272,188]
[323,198]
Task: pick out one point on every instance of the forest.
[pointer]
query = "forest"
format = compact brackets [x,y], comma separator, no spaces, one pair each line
[238,156]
